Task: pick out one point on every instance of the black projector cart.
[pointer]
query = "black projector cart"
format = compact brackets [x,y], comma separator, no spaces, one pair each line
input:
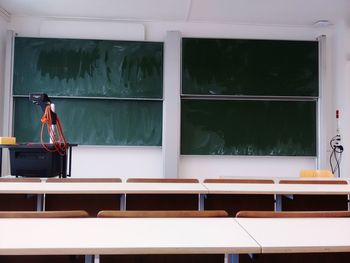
[32,160]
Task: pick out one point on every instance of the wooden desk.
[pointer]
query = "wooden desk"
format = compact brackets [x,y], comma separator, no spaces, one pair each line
[299,235]
[102,188]
[105,189]
[279,189]
[338,190]
[89,236]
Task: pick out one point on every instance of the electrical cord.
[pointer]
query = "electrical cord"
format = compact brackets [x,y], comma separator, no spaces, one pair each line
[57,137]
[336,154]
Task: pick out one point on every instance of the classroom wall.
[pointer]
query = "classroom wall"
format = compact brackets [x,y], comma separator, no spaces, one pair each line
[342,89]
[147,161]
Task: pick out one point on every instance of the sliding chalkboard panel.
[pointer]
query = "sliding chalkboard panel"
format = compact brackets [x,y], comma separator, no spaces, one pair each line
[222,127]
[88,68]
[95,122]
[249,67]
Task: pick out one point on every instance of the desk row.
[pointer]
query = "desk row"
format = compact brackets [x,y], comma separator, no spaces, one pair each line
[165,239]
[232,197]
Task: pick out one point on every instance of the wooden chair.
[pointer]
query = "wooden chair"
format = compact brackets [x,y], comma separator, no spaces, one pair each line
[92,203]
[162,201]
[83,180]
[19,180]
[232,203]
[43,214]
[293,214]
[239,181]
[18,202]
[316,174]
[162,258]
[163,214]
[313,182]
[161,180]
[315,202]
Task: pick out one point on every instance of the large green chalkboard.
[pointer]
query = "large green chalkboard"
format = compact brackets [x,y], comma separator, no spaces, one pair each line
[95,122]
[223,127]
[106,92]
[250,67]
[88,68]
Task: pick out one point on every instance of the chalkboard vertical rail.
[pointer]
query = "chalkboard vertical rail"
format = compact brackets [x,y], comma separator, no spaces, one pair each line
[322,143]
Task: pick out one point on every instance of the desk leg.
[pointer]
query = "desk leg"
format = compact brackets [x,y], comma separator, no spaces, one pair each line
[231,258]
[0,162]
[122,202]
[97,259]
[201,198]
[40,202]
[70,162]
[278,203]
[89,259]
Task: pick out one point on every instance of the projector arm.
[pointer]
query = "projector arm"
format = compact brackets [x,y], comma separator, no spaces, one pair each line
[43,101]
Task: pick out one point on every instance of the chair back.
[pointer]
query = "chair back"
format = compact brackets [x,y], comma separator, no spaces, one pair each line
[239,181]
[162,180]
[43,214]
[313,182]
[162,214]
[293,214]
[19,180]
[83,180]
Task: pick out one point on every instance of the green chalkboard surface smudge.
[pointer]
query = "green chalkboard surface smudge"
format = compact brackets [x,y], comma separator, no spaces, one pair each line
[95,122]
[93,68]
[250,67]
[286,128]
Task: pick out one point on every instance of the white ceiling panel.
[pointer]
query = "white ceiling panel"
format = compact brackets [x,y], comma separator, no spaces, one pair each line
[108,9]
[294,12]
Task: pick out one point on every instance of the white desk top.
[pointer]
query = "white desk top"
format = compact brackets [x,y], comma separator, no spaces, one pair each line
[102,188]
[218,188]
[124,236]
[288,235]
[170,188]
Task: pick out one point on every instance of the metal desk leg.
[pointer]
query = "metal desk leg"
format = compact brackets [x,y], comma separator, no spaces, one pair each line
[0,162]
[231,258]
[122,202]
[70,162]
[89,259]
[40,202]
[201,198]
[278,203]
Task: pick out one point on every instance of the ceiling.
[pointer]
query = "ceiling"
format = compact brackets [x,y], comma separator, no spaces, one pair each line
[280,12]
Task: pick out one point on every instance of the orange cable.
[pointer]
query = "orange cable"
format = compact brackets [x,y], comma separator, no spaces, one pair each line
[57,137]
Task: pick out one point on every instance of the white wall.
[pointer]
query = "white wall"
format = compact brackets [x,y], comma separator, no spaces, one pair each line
[147,162]
[342,89]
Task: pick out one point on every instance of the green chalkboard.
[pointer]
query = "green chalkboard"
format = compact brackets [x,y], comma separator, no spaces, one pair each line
[88,68]
[95,122]
[86,80]
[250,67]
[223,127]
